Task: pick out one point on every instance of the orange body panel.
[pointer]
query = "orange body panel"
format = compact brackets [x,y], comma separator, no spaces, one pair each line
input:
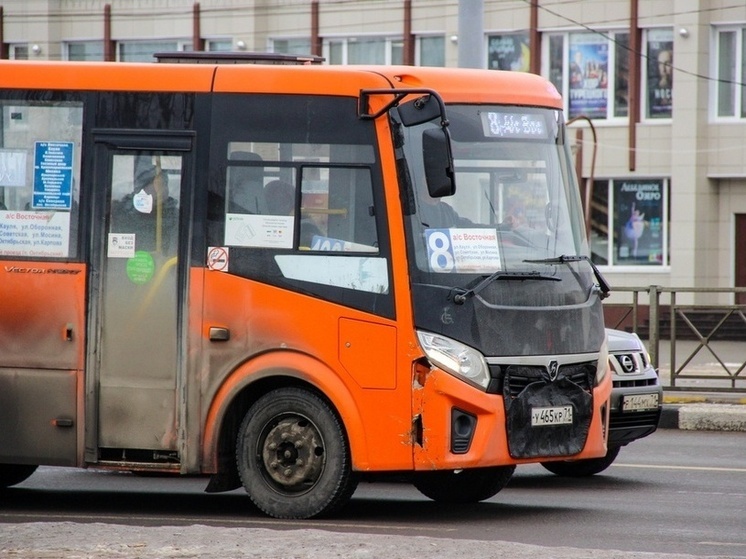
[300,337]
[442,392]
[104,76]
[454,85]
[42,346]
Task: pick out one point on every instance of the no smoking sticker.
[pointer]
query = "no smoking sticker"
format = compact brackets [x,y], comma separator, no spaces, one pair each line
[217,259]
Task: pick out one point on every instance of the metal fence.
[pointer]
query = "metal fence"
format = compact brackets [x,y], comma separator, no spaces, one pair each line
[695,341]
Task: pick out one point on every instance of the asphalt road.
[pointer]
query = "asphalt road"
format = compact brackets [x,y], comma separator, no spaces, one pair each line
[676,492]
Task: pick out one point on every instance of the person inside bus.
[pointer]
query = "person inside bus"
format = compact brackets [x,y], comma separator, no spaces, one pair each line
[280,198]
[139,211]
[434,213]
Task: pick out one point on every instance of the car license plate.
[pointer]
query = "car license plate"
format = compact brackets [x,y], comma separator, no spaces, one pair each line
[559,415]
[639,402]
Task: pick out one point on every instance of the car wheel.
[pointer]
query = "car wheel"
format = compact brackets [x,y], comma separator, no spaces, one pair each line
[583,468]
[293,456]
[13,474]
[463,486]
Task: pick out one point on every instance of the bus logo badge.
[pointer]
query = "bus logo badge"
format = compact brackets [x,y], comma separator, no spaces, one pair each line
[553,370]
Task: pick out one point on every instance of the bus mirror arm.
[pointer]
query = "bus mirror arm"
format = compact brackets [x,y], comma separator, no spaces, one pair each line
[418,111]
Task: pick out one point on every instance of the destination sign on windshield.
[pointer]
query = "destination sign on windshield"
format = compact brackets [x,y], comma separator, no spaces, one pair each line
[514,125]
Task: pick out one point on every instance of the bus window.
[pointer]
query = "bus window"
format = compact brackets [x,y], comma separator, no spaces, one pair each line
[39,178]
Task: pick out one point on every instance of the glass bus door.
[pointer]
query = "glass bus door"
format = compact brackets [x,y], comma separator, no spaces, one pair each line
[137,295]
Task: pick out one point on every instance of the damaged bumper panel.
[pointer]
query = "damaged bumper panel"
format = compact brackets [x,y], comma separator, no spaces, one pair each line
[548,417]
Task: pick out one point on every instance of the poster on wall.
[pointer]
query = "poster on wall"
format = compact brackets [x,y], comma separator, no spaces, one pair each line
[660,73]
[509,52]
[638,219]
[589,77]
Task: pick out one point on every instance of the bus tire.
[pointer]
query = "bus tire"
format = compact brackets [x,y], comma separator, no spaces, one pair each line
[293,457]
[583,468]
[464,486]
[13,474]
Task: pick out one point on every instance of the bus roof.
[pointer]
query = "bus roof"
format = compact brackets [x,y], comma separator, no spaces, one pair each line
[453,84]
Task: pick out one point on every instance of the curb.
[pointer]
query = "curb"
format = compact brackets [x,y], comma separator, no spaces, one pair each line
[699,416]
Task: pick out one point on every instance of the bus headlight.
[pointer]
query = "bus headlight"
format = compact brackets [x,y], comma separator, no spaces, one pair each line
[603,365]
[455,358]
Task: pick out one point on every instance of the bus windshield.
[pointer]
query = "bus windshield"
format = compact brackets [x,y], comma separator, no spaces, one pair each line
[516,199]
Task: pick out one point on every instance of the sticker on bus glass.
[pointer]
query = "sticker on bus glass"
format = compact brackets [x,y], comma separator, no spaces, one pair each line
[268,231]
[121,245]
[218,258]
[141,267]
[462,250]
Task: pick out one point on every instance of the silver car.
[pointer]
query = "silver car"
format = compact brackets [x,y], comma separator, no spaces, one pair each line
[636,403]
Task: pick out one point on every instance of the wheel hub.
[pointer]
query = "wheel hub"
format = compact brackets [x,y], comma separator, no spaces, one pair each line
[293,454]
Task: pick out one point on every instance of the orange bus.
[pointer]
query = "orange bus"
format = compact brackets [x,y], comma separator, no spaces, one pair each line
[292,276]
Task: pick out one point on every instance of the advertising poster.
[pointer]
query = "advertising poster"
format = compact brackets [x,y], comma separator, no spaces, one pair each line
[509,52]
[660,73]
[638,219]
[589,78]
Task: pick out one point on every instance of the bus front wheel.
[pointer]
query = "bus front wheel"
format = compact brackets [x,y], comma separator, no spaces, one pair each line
[293,456]
[13,474]
[463,486]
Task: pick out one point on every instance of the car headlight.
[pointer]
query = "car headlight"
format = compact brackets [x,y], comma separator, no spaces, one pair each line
[455,358]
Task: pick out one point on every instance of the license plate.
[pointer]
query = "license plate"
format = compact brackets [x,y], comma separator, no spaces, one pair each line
[559,415]
[640,402]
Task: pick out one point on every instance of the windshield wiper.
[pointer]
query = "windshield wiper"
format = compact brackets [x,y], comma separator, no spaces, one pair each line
[461,297]
[564,259]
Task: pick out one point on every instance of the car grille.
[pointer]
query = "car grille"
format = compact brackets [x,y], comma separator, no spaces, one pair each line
[631,383]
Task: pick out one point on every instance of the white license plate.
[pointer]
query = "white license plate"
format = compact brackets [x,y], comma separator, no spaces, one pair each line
[640,402]
[559,415]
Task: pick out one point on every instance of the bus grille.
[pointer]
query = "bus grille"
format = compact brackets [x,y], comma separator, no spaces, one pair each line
[520,376]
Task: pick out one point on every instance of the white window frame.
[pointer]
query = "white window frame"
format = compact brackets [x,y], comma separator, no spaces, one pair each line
[738,78]
[344,41]
[182,45]
[418,46]
[611,248]
[610,118]
[68,44]
[305,39]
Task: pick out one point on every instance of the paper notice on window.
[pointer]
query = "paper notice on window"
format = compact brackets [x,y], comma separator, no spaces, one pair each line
[268,231]
[463,250]
[36,234]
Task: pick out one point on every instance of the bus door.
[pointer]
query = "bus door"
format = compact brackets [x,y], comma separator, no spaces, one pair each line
[138,285]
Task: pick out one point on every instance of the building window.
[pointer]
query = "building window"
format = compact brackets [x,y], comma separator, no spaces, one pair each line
[218,45]
[291,46]
[629,222]
[730,62]
[19,52]
[590,70]
[431,50]
[363,50]
[85,50]
[508,51]
[143,51]
[659,45]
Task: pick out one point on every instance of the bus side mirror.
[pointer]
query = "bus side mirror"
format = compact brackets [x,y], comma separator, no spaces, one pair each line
[438,159]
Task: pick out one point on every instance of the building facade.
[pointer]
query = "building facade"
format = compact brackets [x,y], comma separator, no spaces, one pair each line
[656,92]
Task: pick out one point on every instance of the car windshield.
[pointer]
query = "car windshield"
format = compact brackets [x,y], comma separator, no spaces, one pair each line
[516,198]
